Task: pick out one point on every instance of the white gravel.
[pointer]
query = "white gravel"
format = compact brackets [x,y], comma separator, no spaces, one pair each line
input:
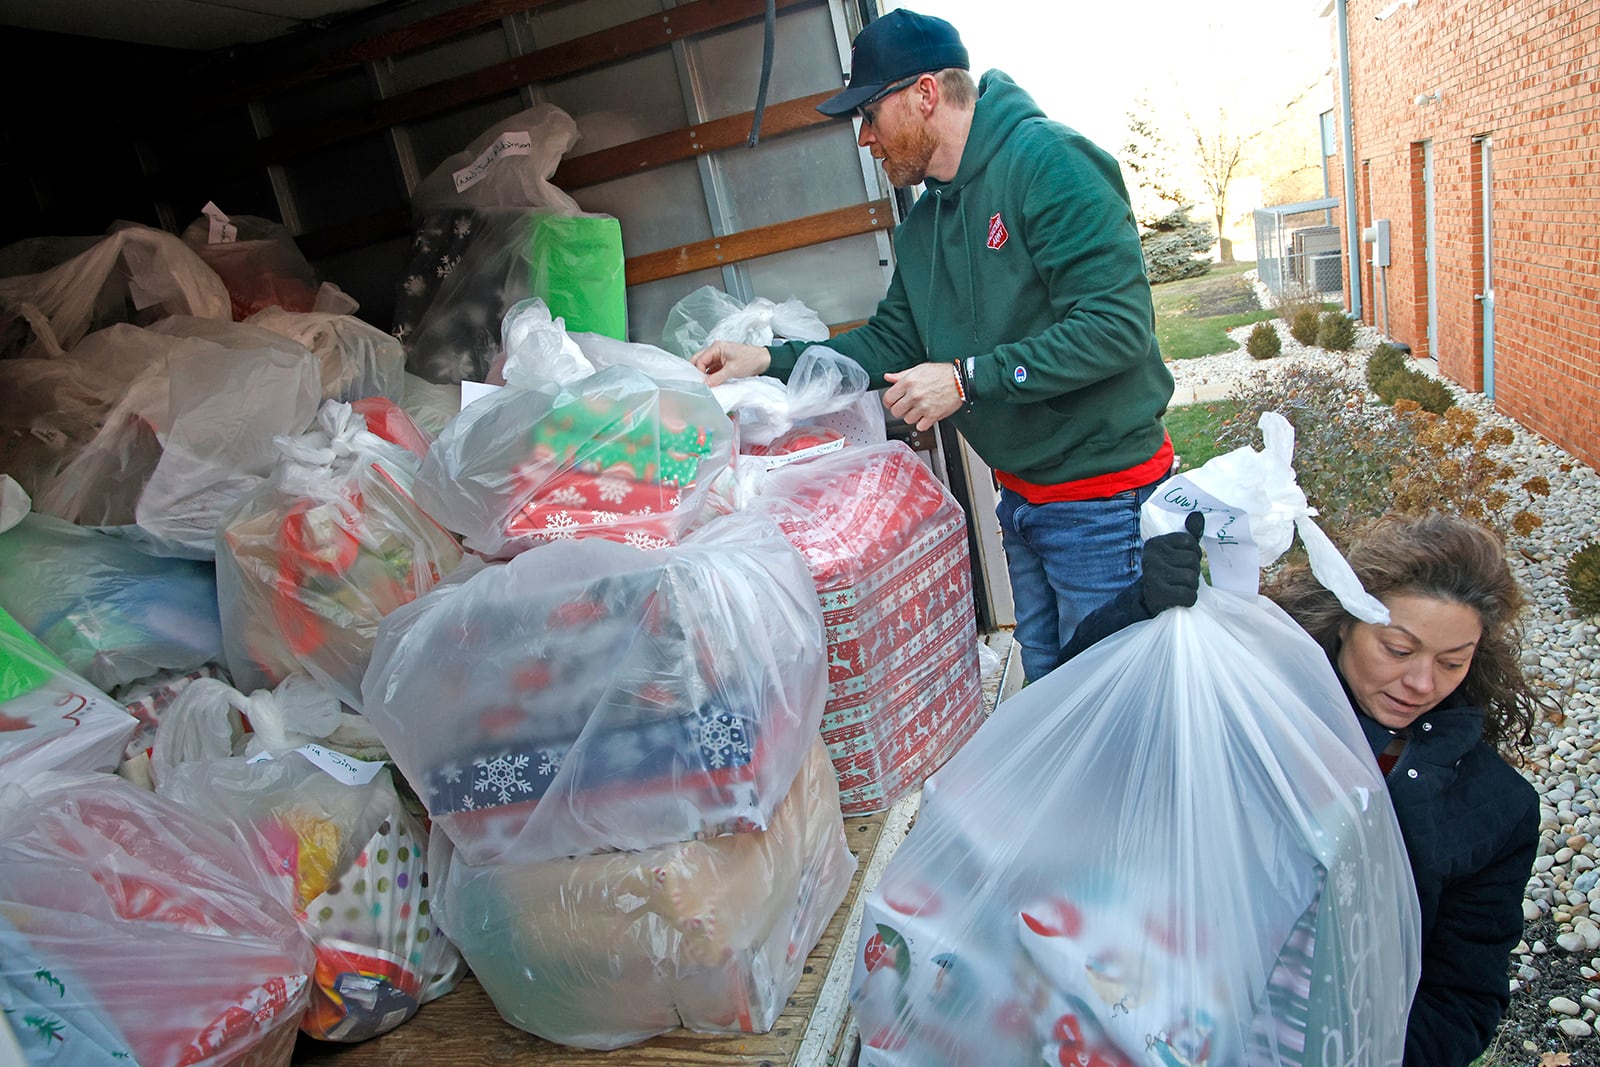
[1561,655]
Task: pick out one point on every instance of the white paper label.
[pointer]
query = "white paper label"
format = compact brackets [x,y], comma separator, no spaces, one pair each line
[223,232]
[774,462]
[510,143]
[1230,549]
[471,391]
[340,767]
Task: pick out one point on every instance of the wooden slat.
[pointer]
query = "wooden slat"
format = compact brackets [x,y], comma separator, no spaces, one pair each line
[582,53]
[677,145]
[464,1030]
[761,241]
[575,173]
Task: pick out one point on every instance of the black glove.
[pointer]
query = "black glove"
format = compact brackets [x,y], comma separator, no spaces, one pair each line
[1171,576]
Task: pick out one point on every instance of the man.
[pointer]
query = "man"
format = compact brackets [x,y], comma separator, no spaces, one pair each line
[1019,310]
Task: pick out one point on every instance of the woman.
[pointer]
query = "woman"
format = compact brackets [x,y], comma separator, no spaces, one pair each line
[1441,697]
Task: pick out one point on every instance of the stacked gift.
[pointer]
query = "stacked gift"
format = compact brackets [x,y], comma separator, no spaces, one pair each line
[614,455]
[887,549]
[602,951]
[310,562]
[588,697]
[126,908]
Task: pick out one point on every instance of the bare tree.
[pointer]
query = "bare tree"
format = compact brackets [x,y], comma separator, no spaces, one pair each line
[1149,157]
[1219,155]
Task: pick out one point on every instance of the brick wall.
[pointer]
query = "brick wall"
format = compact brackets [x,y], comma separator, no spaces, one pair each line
[1525,75]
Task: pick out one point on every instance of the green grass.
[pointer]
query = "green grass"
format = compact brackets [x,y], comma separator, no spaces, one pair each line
[1194,430]
[1194,315]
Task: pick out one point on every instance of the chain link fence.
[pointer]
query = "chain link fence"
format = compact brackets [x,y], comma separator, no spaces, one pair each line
[1299,244]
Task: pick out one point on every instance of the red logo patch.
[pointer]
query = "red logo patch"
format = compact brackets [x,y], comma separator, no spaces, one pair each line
[997,231]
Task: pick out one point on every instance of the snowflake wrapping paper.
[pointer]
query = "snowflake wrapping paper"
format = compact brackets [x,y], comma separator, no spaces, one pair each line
[588,695]
[603,951]
[887,547]
[616,455]
[1174,849]
[160,924]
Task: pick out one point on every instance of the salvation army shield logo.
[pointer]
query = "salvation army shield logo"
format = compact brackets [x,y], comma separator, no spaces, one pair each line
[997,232]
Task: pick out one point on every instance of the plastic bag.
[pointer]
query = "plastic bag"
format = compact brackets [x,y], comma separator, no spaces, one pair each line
[603,951]
[131,908]
[615,455]
[1175,848]
[112,612]
[355,860]
[886,546]
[825,391]
[358,360]
[135,275]
[257,259]
[51,718]
[589,696]
[391,422]
[491,230]
[308,563]
[709,314]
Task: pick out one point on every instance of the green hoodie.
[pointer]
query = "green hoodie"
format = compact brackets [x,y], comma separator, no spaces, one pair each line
[1029,261]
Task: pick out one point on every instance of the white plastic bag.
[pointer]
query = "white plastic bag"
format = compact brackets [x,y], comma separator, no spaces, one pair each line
[589,696]
[358,359]
[1175,848]
[708,314]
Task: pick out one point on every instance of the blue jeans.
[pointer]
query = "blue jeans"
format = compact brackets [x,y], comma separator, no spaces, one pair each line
[1066,559]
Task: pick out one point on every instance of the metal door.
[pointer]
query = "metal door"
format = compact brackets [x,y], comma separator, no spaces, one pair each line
[1485,297]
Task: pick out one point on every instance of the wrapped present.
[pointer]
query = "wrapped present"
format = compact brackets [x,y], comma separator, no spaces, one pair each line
[616,455]
[355,859]
[603,951]
[309,563]
[394,424]
[164,926]
[51,718]
[887,549]
[589,696]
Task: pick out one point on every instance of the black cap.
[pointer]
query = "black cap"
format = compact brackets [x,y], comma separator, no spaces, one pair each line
[897,46]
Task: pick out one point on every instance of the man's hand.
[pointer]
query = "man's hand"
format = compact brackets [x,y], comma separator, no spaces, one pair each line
[923,395]
[722,361]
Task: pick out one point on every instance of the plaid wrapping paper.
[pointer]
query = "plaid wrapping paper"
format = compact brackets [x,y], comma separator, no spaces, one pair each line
[892,575]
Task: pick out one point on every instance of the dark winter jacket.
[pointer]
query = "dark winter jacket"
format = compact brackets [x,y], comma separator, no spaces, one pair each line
[1471,828]
[1029,261]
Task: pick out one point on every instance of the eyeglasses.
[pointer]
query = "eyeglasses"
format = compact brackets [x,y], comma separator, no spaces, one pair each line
[868,110]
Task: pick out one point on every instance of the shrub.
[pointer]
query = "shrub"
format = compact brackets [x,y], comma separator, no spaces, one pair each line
[1385,364]
[1355,460]
[1263,342]
[1336,332]
[1303,323]
[1582,579]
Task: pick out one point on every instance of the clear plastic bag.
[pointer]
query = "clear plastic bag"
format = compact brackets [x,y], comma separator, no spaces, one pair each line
[51,718]
[491,230]
[311,561]
[709,314]
[604,951]
[133,909]
[589,696]
[1175,848]
[615,455]
[112,612]
[886,546]
[257,259]
[355,860]
[358,360]
[135,274]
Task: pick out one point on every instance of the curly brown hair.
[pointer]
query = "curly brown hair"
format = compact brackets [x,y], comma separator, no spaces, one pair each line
[1448,558]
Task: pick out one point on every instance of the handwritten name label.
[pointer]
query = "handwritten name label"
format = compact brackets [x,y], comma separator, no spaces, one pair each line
[510,143]
[1230,548]
[222,232]
[336,765]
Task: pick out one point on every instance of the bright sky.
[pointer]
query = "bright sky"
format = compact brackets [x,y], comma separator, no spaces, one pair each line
[1086,62]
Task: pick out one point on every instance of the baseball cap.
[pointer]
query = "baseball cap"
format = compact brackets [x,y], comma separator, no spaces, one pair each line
[899,45]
